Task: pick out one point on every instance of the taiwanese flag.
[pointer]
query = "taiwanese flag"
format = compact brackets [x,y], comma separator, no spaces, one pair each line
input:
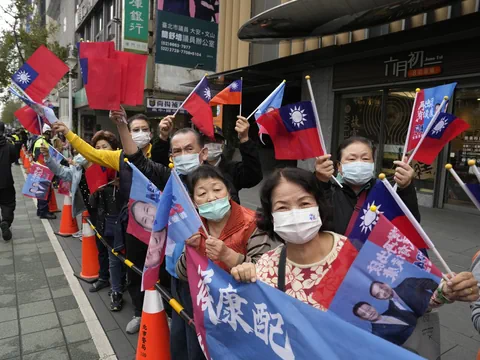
[96,177]
[293,130]
[101,74]
[29,120]
[197,104]
[416,130]
[446,128]
[133,68]
[231,95]
[39,75]
[386,205]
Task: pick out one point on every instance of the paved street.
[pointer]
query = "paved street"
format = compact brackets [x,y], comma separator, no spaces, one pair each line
[40,315]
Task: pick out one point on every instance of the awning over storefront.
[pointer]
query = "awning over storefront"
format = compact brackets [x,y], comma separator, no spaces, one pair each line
[312,18]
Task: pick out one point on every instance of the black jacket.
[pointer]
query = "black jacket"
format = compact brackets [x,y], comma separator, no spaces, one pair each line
[343,201]
[157,173]
[8,156]
[239,174]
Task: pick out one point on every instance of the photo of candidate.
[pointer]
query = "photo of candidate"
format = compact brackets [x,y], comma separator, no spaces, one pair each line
[394,325]
[42,185]
[155,249]
[413,292]
[144,214]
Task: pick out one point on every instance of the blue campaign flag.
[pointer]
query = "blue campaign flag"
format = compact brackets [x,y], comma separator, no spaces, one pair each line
[142,206]
[37,183]
[433,98]
[55,155]
[257,321]
[386,205]
[45,112]
[272,102]
[384,294]
[176,211]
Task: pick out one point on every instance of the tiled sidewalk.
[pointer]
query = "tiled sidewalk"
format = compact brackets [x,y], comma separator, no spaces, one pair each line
[39,316]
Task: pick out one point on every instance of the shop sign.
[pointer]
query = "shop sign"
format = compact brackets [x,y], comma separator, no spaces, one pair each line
[164,106]
[135,26]
[187,37]
[415,64]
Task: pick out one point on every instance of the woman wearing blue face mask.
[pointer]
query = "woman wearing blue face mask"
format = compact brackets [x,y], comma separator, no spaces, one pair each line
[356,170]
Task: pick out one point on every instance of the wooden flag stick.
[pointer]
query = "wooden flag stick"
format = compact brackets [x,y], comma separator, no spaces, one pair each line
[414,221]
[472,164]
[317,120]
[472,197]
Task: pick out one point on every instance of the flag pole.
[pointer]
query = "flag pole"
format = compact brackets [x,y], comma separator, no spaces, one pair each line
[449,167]
[317,120]
[472,164]
[241,96]
[175,175]
[189,96]
[427,130]
[414,221]
[417,90]
[258,107]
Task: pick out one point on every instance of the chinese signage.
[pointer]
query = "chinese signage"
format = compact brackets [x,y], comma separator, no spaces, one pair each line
[163,106]
[187,34]
[135,26]
[416,64]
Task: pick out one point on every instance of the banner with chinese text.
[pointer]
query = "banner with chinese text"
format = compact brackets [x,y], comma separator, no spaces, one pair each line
[135,26]
[187,33]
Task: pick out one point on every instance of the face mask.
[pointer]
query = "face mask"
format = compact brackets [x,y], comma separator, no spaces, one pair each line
[80,160]
[141,138]
[185,164]
[357,173]
[214,151]
[297,226]
[215,210]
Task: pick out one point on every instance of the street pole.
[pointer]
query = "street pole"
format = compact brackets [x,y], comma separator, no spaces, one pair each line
[70,101]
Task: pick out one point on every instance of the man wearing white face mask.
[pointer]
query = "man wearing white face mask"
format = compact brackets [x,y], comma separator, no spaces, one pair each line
[356,172]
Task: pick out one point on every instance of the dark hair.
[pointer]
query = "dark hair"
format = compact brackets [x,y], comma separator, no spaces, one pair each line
[204,172]
[357,306]
[137,117]
[373,283]
[352,140]
[107,136]
[200,139]
[302,178]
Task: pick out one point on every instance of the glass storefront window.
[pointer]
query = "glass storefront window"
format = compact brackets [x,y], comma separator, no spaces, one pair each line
[466,146]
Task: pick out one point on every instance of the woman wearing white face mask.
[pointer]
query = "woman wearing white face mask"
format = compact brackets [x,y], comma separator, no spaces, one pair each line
[356,170]
[294,212]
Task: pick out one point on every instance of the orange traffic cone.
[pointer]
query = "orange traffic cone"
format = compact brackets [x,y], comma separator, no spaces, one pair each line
[90,265]
[22,154]
[154,336]
[52,202]
[26,163]
[68,225]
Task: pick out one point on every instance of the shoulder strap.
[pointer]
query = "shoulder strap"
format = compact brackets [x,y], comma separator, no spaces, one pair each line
[282,265]
[356,210]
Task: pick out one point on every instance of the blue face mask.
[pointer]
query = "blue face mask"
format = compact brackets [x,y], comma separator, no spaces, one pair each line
[80,160]
[185,164]
[215,210]
[357,172]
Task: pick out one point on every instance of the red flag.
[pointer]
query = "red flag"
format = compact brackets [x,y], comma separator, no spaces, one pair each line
[293,130]
[231,95]
[197,104]
[416,130]
[104,84]
[96,176]
[446,128]
[39,75]
[29,120]
[133,77]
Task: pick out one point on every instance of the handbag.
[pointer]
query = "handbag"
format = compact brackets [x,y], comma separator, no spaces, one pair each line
[425,339]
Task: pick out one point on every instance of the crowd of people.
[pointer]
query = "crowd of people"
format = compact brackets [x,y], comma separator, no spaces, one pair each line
[291,242]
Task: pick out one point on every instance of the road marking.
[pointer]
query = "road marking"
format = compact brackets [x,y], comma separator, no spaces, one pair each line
[99,337]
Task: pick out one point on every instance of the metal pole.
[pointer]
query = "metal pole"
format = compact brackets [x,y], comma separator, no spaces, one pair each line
[70,100]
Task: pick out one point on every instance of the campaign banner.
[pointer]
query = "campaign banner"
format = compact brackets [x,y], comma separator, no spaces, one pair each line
[154,258]
[256,321]
[38,181]
[384,294]
[64,187]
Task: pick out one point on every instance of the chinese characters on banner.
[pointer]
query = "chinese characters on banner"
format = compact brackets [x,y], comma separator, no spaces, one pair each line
[135,26]
[415,65]
[164,106]
[187,37]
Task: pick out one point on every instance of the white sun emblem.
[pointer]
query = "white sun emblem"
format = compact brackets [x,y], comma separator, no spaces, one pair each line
[370,218]
[442,124]
[207,94]
[23,77]
[234,85]
[298,116]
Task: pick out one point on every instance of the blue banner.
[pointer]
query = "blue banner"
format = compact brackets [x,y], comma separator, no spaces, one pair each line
[433,99]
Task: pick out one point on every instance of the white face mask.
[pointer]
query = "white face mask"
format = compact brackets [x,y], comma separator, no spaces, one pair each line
[141,138]
[185,164]
[357,172]
[297,226]
[80,160]
[215,150]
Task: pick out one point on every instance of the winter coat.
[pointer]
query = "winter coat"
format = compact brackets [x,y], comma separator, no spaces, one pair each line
[8,156]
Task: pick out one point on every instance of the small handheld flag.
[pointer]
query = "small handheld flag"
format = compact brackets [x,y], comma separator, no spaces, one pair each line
[472,195]
[37,183]
[231,95]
